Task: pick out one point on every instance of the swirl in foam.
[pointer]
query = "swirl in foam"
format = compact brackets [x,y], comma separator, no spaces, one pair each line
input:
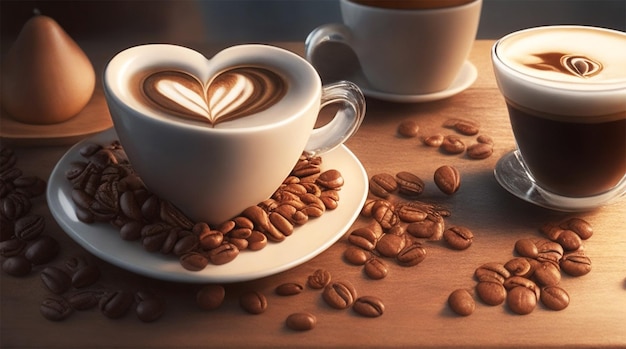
[564,71]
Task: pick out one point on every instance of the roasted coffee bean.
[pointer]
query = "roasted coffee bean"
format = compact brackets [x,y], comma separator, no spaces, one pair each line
[43,250]
[375,268]
[223,254]
[173,216]
[554,297]
[17,266]
[29,227]
[131,231]
[409,184]
[519,266]
[385,216]
[369,306]
[383,184]
[430,228]
[150,307]
[210,239]
[330,179]
[257,241]
[521,300]
[56,279]
[458,237]
[193,261]
[491,292]
[463,126]
[412,254]
[408,128]
[185,244]
[319,279]
[356,255]
[85,276]
[547,274]
[210,297]
[551,230]
[339,294]
[516,281]
[526,248]
[411,213]
[569,240]
[492,271]
[452,144]
[447,179]
[289,289]
[84,299]
[479,151]
[389,245]
[14,206]
[330,198]
[549,251]
[282,223]
[485,139]
[12,247]
[579,226]
[55,308]
[434,141]
[301,321]
[575,264]
[116,304]
[253,302]
[461,302]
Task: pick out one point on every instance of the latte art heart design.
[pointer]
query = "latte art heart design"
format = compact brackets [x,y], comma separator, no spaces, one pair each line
[234,93]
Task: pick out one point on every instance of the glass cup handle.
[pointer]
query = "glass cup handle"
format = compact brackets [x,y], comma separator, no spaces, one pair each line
[346,121]
[337,33]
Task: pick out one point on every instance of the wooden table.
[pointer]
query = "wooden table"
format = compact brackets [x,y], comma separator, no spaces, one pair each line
[416,312]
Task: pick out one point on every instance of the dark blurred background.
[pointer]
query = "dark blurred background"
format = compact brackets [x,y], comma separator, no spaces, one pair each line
[234,21]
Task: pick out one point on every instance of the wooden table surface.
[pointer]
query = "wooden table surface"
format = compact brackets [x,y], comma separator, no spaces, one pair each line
[416,313]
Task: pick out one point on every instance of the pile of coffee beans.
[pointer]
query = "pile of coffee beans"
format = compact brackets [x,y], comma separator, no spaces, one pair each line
[105,188]
[453,144]
[23,242]
[534,275]
[338,295]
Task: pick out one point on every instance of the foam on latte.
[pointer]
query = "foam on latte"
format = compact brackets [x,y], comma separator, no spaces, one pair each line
[570,71]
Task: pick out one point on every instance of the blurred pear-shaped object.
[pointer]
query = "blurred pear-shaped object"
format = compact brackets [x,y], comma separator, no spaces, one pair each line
[46,76]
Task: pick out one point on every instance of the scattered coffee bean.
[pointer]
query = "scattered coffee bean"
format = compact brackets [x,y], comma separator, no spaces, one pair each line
[56,279]
[408,128]
[389,245]
[301,321]
[458,237]
[579,226]
[526,248]
[569,240]
[452,144]
[150,307]
[253,302]
[355,255]
[116,304]
[492,271]
[17,266]
[447,179]
[339,295]
[461,302]
[463,126]
[369,306]
[289,289]
[12,247]
[409,184]
[383,184]
[210,297]
[547,274]
[364,238]
[521,300]
[575,264]
[319,279]
[29,227]
[84,299]
[519,266]
[85,276]
[491,292]
[411,254]
[55,308]
[485,139]
[42,251]
[554,298]
[479,151]
[434,141]
[375,268]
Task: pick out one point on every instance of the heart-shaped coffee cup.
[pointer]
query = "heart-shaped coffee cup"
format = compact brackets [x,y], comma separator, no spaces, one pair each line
[214,136]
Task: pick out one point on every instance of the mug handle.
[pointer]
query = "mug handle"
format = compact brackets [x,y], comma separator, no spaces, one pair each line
[346,121]
[337,33]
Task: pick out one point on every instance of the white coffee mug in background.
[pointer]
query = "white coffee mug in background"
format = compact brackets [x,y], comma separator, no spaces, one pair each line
[407,50]
[213,170]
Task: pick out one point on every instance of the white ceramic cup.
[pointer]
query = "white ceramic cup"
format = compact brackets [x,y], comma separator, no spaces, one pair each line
[213,173]
[403,51]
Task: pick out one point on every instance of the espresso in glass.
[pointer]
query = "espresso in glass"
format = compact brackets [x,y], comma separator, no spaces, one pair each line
[565,90]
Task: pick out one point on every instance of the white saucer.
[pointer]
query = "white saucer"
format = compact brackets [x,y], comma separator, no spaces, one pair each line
[466,77]
[511,174]
[307,241]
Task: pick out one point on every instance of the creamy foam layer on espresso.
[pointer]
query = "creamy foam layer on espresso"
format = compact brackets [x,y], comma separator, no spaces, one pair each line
[586,56]
[569,73]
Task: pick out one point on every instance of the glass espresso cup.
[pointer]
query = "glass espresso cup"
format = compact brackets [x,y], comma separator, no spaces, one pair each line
[565,90]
